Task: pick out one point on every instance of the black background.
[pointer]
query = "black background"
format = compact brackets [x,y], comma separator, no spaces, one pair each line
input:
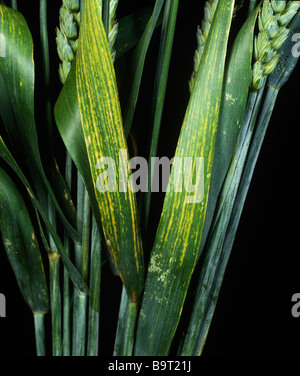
[253,315]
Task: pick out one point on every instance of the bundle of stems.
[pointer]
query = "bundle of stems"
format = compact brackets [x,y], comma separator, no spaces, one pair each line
[90,216]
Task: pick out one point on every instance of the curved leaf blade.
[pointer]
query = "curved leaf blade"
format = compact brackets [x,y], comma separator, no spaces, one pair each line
[137,66]
[233,108]
[21,246]
[179,232]
[130,30]
[74,274]
[17,110]
[104,137]
[229,121]
[68,120]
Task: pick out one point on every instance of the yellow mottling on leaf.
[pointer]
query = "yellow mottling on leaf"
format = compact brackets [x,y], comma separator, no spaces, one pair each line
[66,195]
[7,243]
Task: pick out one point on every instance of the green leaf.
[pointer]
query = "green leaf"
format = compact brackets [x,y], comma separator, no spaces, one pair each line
[21,246]
[178,236]
[278,78]
[233,108]
[160,86]
[17,108]
[68,121]
[104,137]
[232,111]
[199,323]
[130,30]
[74,274]
[137,66]
[228,221]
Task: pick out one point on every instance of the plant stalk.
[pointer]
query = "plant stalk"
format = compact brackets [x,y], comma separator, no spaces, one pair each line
[253,154]
[39,330]
[79,325]
[54,257]
[210,279]
[258,138]
[124,340]
[67,286]
[130,328]
[14,4]
[55,298]
[94,297]
[82,256]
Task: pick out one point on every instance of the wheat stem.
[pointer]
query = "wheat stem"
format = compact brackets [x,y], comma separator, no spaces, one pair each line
[67,286]
[124,340]
[204,304]
[55,298]
[94,297]
[39,330]
[14,4]
[79,299]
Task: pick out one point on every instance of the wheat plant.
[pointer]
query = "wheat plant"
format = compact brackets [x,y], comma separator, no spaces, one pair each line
[77,173]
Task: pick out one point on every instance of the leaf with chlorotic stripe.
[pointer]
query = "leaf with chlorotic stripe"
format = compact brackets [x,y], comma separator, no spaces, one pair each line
[68,120]
[233,108]
[103,131]
[178,235]
[17,77]
[238,77]
[21,246]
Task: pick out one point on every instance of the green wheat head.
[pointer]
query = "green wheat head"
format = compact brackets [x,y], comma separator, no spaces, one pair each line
[273,20]
[68,32]
[202,34]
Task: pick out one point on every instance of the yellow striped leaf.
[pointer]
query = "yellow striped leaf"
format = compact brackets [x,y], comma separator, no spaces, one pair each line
[179,232]
[103,132]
